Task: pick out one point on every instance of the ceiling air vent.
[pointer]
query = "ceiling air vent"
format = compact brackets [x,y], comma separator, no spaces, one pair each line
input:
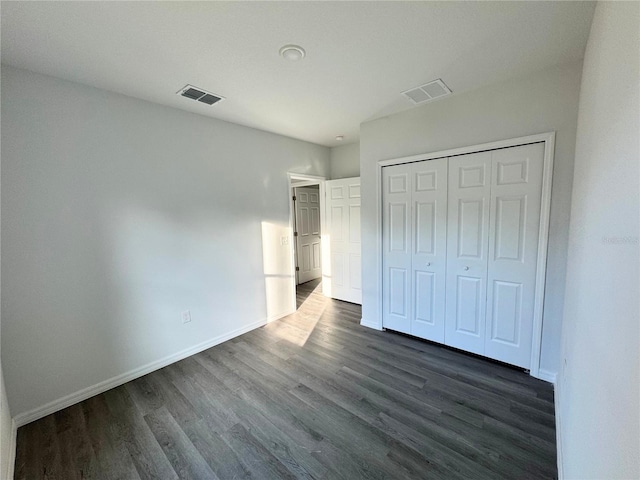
[427,92]
[196,93]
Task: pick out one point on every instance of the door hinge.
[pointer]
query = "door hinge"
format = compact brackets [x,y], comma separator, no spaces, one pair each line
[294,198]
[295,234]
[297,269]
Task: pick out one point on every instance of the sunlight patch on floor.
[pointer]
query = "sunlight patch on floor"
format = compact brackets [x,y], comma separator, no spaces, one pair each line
[298,327]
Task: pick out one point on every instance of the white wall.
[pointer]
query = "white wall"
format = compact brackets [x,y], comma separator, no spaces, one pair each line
[7,433]
[117,215]
[541,102]
[597,394]
[345,161]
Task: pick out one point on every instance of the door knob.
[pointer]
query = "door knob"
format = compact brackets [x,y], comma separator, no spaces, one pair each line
[428,264]
[466,268]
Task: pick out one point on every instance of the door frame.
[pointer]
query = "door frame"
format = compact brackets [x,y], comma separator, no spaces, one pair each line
[305,181]
[548,139]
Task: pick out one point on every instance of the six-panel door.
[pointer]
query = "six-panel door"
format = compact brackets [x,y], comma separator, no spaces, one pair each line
[342,270]
[307,209]
[415,198]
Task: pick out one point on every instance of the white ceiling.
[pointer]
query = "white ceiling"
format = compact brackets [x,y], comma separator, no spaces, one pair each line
[360,55]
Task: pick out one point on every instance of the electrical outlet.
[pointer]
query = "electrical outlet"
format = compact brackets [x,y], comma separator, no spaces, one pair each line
[186,316]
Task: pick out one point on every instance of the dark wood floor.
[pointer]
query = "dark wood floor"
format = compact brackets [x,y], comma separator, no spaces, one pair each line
[314,395]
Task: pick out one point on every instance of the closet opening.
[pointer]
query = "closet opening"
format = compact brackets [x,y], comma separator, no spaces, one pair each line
[462,245]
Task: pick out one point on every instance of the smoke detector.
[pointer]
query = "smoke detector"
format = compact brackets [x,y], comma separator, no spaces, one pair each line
[427,92]
[199,94]
[293,53]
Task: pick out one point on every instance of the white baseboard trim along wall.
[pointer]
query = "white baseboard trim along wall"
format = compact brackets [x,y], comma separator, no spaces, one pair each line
[368,324]
[278,316]
[547,376]
[64,402]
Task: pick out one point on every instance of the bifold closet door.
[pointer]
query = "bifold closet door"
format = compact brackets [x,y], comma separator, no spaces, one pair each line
[414,246]
[469,196]
[396,241]
[492,250]
[460,250]
[516,188]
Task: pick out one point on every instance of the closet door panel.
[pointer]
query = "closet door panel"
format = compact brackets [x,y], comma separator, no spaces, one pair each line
[469,194]
[396,262]
[425,299]
[429,199]
[516,187]
[469,303]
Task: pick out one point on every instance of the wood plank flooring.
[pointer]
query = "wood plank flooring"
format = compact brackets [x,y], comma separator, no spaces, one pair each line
[314,395]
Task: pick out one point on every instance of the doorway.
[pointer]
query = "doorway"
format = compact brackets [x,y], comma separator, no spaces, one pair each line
[306,194]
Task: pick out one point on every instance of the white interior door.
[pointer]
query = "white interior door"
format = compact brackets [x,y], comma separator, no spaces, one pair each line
[516,188]
[396,240]
[429,248]
[414,245]
[467,245]
[342,272]
[308,246]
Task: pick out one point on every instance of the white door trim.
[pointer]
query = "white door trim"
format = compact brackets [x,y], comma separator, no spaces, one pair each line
[305,183]
[308,180]
[543,237]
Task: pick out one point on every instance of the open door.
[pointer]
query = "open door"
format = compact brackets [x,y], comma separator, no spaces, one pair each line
[307,232]
[342,268]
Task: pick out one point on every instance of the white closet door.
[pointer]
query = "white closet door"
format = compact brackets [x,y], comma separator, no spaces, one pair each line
[467,244]
[516,186]
[414,243]
[342,277]
[429,211]
[396,240]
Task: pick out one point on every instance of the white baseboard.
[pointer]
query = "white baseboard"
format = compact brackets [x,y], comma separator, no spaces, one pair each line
[547,376]
[12,450]
[68,400]
[367,324]
[278,316]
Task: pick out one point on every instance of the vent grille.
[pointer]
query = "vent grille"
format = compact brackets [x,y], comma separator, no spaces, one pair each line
[200,95]
[427,92]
